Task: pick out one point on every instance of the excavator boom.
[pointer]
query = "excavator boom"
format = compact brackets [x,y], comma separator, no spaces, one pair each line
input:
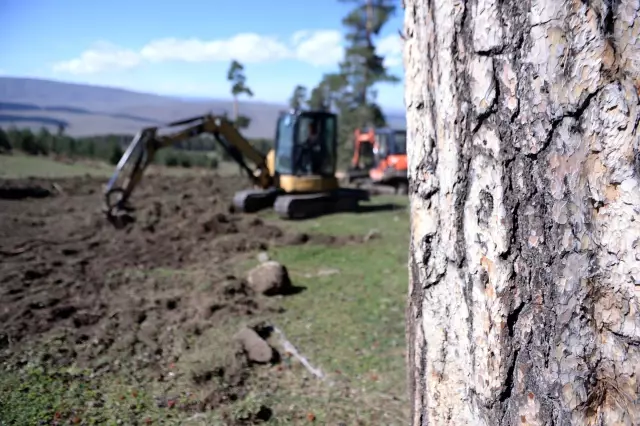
[147,142]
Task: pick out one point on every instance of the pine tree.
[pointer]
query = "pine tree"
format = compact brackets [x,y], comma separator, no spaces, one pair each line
[362,66]
[298,97]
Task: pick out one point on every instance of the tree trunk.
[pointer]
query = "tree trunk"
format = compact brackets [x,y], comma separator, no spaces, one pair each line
[236,112]
[524,166]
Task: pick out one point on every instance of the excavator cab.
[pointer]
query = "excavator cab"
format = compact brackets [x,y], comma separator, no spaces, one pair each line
[304,170]
[305,144]
[390,152]
[363,155]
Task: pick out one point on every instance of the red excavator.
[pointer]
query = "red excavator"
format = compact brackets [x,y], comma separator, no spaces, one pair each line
[380,157]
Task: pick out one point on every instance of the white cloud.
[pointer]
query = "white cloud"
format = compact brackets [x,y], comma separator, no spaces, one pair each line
[246,48]
[319,48]
[391,48]
[101,56]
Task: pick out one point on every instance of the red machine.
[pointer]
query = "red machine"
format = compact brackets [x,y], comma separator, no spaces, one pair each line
[380,157]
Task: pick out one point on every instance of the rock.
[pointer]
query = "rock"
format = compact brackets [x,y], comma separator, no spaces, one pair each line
[269,278]
[263,257]
[255,347]
[328,271]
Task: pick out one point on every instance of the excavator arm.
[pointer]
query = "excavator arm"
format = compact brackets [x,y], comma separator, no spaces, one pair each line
[147,142]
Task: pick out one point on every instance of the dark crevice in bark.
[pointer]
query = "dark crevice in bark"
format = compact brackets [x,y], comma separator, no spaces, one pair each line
[468,292]
[559,21]
[509,381]
[461,187]
[426,245]
[433,72]
[626,339]
[513,316]
[555,123]
[608,20]
[491,52]
[437,278]
[464,35]
[481,118]
[444,350]
[413,321]
[423,383]
[513,238]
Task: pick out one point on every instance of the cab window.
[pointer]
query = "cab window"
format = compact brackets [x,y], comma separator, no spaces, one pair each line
[382,145]
[314,151]
[284,145]
[400,142]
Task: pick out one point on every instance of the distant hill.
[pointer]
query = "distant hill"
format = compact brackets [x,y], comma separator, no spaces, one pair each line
[86,110]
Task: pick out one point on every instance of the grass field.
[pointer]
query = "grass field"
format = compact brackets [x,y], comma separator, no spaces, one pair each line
[348,322]
[23,166]
[20,166]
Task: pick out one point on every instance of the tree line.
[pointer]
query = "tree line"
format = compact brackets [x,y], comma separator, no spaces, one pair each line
[200,151]
[350,91]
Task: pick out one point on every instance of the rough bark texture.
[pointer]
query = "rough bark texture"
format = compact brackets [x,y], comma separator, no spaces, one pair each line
[523,120]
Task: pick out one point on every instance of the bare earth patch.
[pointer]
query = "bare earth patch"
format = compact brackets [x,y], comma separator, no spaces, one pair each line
[163,292]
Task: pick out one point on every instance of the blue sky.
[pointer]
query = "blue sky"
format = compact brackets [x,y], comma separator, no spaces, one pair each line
[184,48]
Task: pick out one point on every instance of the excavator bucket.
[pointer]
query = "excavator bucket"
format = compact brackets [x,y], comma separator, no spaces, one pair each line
[128,172]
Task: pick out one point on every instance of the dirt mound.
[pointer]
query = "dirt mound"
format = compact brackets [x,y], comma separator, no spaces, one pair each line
[59,256]
[144,319]
[21,189]
[137,298]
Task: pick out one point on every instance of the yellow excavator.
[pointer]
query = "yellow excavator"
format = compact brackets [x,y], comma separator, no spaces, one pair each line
[296,178]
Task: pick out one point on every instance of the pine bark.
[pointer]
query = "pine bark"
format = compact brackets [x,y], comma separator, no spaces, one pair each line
[524,165]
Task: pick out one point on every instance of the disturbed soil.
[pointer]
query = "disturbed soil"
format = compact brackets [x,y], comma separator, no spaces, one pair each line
[130,295]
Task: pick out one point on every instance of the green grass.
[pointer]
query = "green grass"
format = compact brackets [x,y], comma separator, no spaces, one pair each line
[20,166]
[349,323]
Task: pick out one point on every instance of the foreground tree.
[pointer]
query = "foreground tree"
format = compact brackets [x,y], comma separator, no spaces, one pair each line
[525,211]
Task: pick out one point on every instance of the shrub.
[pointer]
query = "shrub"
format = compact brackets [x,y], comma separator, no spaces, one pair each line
[171,160]
[5,142]
[116,154]
[185,161]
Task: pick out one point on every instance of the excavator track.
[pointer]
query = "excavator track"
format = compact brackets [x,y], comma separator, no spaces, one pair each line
[357,175]
[301,206]
[254,200]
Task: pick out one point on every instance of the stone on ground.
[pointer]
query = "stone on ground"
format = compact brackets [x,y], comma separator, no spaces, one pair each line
[263,256]
[269,278]
[255,347]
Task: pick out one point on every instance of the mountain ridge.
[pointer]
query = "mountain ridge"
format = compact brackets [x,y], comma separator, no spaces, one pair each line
[87,110]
